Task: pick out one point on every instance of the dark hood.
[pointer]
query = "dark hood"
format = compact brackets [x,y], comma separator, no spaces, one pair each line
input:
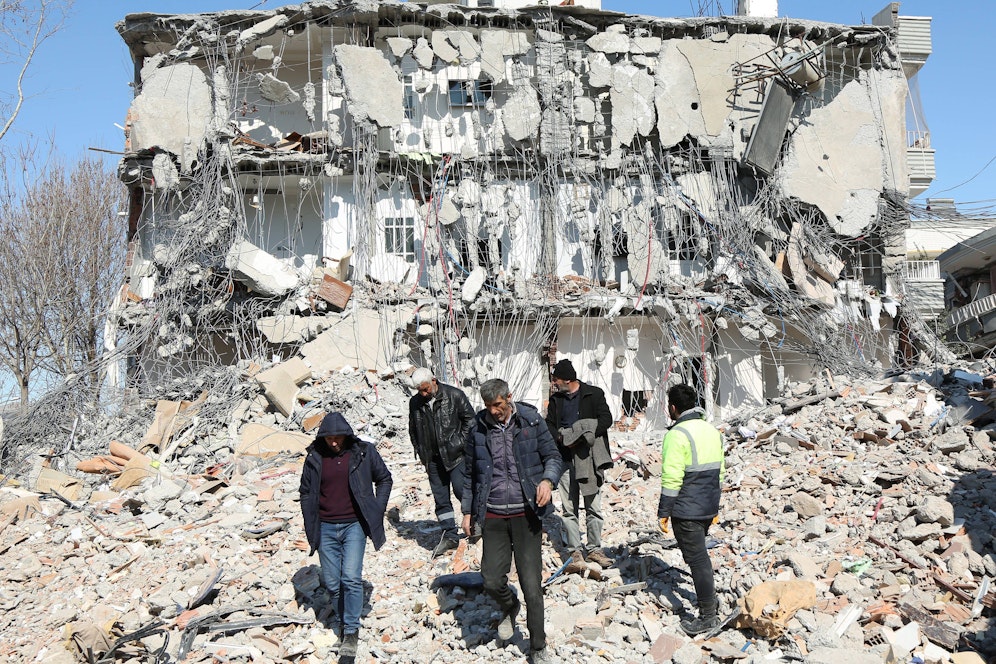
[334,424]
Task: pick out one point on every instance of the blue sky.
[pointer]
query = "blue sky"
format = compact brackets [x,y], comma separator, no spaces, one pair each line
[79,84]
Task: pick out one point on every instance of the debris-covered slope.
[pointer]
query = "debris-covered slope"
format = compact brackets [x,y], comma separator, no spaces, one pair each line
[868,508]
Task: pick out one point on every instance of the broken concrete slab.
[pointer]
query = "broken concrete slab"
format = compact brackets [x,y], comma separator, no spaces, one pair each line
[423,53]
[373,90]
[361,340]
[260,271]
[678,105]
[522,113]
[261,29]
[465,44]
[473,284]
[172,110]
[263,441]
[280,389]
[935,509]
[291,329]
[273,89]
[843,131]
[442,47]
[609,42]
[400,46]
[496,45]
[633,110]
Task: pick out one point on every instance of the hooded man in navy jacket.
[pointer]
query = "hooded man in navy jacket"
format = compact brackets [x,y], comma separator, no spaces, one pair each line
[344,491]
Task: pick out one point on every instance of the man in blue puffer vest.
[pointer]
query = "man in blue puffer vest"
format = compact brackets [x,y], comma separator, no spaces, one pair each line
[512,467]
[692,469]
[344,491]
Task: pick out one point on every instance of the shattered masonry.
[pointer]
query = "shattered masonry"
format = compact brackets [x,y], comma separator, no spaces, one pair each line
[390,185]
[327,195]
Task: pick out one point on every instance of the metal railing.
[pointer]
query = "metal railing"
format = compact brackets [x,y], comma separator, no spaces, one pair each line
[918,139]
[972,310]
[921,270]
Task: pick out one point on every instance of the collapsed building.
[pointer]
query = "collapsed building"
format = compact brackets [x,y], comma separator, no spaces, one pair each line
[484,190]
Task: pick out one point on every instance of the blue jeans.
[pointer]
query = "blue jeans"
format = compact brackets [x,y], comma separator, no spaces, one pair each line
[341,554]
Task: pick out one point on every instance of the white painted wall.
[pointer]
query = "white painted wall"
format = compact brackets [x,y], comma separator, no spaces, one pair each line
[525,232]
[510,352]
[760,8]
[266,121]
[338,231]
[740,376]
[288,221]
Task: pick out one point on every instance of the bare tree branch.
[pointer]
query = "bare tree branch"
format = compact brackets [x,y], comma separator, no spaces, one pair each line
[62,252]
[39,19]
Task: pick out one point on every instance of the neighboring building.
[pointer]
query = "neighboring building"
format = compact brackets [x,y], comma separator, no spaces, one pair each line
[718,200]
[970,292]
[937,227]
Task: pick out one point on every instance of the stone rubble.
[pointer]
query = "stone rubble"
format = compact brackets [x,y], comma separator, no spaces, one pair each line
[875,497]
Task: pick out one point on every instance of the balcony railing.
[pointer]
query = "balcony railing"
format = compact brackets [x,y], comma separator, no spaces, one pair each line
[972,310]
[922,271]
[918,139]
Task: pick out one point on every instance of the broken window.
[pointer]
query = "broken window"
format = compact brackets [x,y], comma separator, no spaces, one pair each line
[399,237]
[409,97]
[620,241]
[469,93]
[485,3]
[681,242]
[865,264]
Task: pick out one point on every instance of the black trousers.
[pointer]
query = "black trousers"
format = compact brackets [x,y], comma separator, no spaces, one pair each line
[522,537]
[691,541]
[441,481]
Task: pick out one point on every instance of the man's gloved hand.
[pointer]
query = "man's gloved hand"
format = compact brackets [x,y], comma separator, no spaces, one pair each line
[664,525]
[715,520]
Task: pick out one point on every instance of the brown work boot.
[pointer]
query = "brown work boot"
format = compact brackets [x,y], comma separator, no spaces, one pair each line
[598,556]
[575,564]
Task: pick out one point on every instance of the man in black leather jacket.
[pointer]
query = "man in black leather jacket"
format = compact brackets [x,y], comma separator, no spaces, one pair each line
[439,418]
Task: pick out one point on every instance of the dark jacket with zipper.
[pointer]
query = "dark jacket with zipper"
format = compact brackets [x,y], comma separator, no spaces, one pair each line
[370,484]
[536,459]
[448,424]
[592,405]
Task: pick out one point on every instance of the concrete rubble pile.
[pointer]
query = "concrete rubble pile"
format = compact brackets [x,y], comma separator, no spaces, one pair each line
[857,525]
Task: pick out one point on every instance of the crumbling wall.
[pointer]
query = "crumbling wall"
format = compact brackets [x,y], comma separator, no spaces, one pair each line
[497,176]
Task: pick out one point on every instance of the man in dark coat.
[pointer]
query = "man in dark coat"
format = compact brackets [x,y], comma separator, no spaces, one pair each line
[344,491]
[512,467]
[579,419]
[439,418]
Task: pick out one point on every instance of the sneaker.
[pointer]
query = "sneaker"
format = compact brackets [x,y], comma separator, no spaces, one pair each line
[700,625]
[542,656]
[447,543]
[506,628]
[350,643]
[708,619]
[598,556]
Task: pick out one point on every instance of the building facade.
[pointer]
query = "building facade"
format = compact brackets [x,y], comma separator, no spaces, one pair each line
[485,190]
